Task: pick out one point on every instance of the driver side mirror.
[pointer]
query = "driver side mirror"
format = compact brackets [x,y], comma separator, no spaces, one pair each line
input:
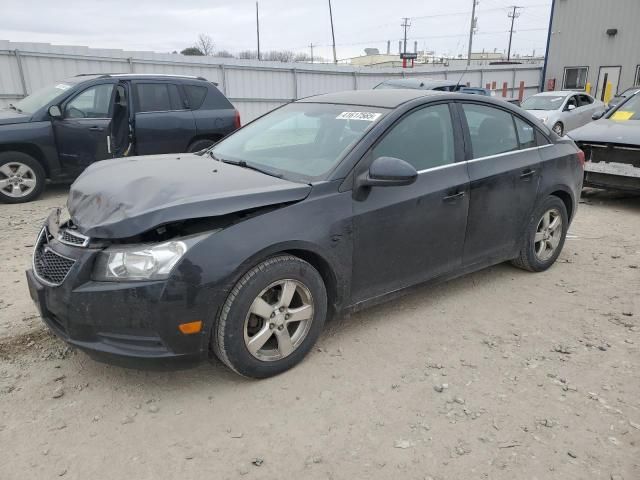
[388,172]
[598,115]
[55,112]
[571,107]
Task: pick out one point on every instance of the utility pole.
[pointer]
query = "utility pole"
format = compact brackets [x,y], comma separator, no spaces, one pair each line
[474,24]
[311,46]
[333,35]
[405,25]
[258,29]
[512,15]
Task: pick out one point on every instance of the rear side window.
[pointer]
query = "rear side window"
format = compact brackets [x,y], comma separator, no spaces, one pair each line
[526,134]
[492,130]
[158,97]
[424,138]
[196,95]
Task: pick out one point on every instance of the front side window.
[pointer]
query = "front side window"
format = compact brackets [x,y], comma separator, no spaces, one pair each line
[575,78]
[158,97]
[573,101]
[302,141]
[94,102]
[492,130]
[584,100]
[424,138]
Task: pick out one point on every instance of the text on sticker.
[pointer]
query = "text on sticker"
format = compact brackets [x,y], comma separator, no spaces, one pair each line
[366,116]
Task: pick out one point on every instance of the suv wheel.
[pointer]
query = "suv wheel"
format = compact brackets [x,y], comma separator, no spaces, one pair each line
[544,236]
[200,145]
[272,317]
[22,178]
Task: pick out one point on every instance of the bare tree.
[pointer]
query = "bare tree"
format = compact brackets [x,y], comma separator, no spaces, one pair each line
[205,44]
[279,56]
[248,54]
[224,54]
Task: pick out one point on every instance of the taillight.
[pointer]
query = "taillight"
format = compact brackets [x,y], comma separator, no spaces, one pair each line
[581,158]
[236,120]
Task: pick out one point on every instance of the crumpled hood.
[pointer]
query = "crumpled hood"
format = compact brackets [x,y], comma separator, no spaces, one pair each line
[124,197]
[609,131]
[8,117]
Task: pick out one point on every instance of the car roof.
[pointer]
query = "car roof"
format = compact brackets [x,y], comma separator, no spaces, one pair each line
[83,77]
[558,93]
[417,83]
[385,98]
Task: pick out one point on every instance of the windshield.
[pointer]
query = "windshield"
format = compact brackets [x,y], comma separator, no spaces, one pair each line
[543,102]
[300,140]
[40,98]
[629,110]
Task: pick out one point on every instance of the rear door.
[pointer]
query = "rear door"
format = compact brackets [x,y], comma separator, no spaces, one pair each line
[406,235]
[162,123]
[83,133]
[504,172]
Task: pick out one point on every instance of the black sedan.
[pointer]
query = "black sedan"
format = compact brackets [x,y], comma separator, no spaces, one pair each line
[323,206]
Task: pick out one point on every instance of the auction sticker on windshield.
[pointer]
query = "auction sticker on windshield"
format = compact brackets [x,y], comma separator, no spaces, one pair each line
[366,116]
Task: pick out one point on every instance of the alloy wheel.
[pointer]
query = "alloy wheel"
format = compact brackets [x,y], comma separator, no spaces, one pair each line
[548,235]
[17,179]
[279,320]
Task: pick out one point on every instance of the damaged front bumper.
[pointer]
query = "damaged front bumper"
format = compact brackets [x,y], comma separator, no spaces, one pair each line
[118,321]
[612,166]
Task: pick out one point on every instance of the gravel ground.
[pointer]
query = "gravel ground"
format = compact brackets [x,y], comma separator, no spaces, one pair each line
[502,374]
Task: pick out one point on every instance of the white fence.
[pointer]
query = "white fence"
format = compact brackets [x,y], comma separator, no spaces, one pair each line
[253,87]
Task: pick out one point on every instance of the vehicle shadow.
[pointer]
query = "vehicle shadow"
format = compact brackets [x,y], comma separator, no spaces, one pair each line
[623,200]
[54,190]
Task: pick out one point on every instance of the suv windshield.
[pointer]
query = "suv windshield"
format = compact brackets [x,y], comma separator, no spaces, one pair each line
[629,110]
[301,141]
[40,98]
[543,102]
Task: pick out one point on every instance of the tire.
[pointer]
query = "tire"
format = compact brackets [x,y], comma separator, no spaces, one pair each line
[200,145]
[249,343]
[558,129]
[22,178]
[534,255]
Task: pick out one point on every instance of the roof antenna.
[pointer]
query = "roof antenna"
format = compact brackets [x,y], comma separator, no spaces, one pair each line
[460,79]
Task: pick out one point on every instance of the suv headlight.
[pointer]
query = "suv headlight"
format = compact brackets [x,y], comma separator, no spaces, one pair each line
[141,261]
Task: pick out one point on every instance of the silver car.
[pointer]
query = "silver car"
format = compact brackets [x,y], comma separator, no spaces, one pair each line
[563,111]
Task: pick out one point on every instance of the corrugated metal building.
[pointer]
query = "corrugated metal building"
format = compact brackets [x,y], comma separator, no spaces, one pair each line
[592,43]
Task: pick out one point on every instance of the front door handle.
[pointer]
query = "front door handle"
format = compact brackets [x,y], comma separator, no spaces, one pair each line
[454,196]
[527,174]
[96,129]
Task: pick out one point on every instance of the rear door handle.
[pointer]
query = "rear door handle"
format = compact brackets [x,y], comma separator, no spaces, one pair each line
[96,129]
[454,196]
[527,174]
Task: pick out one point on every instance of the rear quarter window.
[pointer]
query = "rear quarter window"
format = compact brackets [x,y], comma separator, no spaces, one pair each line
[215,99]
[196,95]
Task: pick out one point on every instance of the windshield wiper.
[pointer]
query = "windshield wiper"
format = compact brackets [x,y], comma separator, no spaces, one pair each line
[243,164]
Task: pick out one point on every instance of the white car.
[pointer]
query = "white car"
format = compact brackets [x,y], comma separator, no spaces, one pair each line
[563,111]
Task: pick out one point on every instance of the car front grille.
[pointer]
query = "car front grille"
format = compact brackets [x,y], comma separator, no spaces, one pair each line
[49,266]
[70,237]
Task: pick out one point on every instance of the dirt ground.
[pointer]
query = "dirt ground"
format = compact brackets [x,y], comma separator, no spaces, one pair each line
[502,374]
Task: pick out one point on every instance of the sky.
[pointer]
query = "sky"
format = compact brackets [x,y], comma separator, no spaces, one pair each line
[168,25]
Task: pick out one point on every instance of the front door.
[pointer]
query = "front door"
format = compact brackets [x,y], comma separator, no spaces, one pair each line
[406,235]
[82,134]
[504,172]
[607,75]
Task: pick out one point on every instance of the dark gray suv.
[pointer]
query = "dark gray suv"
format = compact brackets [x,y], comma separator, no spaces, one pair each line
[56,132]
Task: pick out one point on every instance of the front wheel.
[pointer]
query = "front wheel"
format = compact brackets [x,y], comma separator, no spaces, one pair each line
[272,317]
[544,236]
[558,129]
[22,178]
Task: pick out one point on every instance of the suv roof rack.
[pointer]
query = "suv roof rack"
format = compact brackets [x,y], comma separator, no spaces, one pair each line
[169,75]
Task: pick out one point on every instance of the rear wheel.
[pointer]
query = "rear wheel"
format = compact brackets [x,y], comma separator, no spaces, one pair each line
[558,128]
[22,178]
[544,237]
[200,145]
[272,317]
